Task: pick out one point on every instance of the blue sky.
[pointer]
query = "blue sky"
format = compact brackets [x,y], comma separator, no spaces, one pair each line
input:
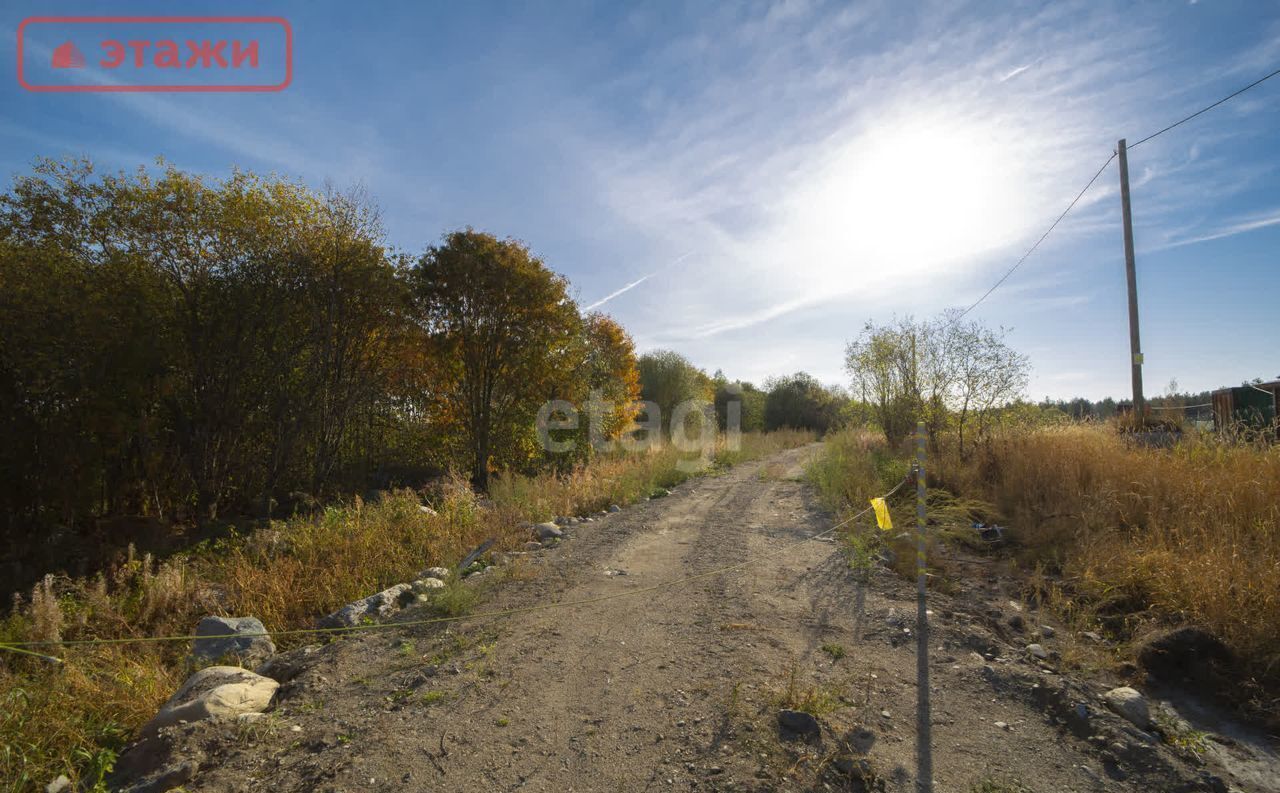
[771,176]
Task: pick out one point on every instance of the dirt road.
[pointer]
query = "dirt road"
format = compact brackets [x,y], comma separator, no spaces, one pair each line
[680,689]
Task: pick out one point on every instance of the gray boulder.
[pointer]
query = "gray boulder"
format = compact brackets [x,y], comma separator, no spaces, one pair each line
[435,572]
[215,692]
[1130,704]
[374,607]
[615,508]
[547,531]
[799,723]
[242,639]
[424,585]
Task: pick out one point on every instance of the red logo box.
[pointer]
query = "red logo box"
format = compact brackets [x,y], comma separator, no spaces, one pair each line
[70,57]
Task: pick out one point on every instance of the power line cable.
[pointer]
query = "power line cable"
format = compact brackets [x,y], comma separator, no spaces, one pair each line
[1205,109]
[1080,195]
[1032,249]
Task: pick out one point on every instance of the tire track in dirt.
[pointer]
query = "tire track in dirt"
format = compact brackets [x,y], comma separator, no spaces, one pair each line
[675,689]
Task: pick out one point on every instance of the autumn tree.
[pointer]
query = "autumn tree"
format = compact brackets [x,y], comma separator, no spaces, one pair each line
[610,374]
[179,347]
[799,401]
[668,380]
[748,399]
[986,375]
[943,372]
[504,330]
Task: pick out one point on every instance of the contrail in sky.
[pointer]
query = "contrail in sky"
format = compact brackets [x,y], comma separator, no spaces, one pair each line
[612,295]
[634,284]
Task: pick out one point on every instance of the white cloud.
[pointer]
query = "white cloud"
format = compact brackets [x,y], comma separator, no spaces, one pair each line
[804,172]
[1242,225]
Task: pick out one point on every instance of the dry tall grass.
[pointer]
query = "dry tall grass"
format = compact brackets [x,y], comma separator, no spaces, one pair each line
[73,717]
[1190,533]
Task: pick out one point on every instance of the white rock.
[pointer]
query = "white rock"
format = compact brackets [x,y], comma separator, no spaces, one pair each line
[383,604]
[547,531]
[1130,704]
[216,692]
[435,572]
[425,510]
[1037,651]
[427,584]
[58,785]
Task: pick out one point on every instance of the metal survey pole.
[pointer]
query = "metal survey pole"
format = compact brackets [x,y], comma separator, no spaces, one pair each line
[924,756]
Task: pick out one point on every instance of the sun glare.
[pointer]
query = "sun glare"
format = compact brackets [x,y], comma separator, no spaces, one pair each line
[906,198]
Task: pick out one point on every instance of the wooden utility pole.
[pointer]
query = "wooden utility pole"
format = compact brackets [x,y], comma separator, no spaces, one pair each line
[1135,344]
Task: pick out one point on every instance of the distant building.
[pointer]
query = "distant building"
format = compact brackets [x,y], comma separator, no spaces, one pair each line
[1252,405]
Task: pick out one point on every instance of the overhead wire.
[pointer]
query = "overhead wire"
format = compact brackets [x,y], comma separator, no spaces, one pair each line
[1080,195]
[1204,109]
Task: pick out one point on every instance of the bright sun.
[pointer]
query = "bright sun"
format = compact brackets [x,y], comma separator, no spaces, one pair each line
[907,198]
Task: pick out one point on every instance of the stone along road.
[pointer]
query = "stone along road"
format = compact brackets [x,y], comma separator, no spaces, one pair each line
[679,689]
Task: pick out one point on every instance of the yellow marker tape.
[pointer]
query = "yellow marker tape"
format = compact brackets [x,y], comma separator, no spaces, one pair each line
[883,520]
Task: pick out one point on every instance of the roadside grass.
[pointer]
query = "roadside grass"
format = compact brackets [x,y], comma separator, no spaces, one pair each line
[626,477]
[1106,534]
[855,466]
[72,718]
[1188,534]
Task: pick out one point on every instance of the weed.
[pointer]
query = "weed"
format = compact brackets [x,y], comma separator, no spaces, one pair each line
[836,651]
[1190,743]
[816,700]
[433,696]
[249,730]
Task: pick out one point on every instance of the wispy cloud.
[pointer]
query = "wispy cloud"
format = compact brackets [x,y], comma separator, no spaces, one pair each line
[806,172]
[1251,222]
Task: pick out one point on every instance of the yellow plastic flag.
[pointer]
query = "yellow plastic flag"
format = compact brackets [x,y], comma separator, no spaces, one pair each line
[882,514]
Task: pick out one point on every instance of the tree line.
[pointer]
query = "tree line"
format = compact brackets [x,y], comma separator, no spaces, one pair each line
[797,401]
[188,350]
